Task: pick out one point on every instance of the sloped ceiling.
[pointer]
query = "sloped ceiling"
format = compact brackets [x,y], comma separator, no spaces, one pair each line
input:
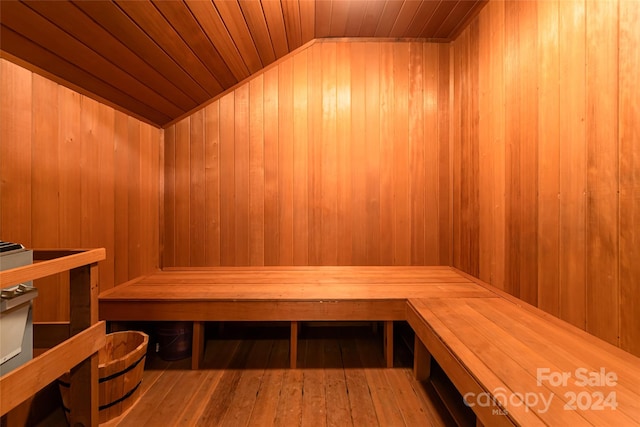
[161,59]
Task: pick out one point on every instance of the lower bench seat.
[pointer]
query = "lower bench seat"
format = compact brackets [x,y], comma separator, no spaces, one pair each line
[293,294]
[512,363]
[517,366]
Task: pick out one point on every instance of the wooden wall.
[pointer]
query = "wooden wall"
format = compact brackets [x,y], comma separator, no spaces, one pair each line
[75,173]
[547,157]
[337,155]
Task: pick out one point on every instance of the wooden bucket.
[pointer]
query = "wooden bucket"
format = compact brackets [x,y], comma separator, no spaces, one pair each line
[120,366]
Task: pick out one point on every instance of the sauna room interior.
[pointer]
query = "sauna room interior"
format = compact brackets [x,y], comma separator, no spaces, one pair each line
[494,144]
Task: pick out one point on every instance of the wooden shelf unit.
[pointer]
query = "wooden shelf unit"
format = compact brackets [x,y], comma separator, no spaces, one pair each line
[79,353]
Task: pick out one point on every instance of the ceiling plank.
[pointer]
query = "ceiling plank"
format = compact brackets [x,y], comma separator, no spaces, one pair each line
[147,17]
[257,23]
[339,15]
[231,14]
[115,21]
[405,17]
[291,14]
[275,22]
[453,20]
[20,18]
[307,20]
[323,18]
[371,18]
[27,50]
[180,18]
[439,15]
[422,17]
[388,17]
[357,10]
[464,22]
[72,20]
[211,22]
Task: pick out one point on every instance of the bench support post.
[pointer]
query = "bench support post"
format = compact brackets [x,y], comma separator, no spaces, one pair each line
[197,350]
[421,360]
[293,345]
[388,343]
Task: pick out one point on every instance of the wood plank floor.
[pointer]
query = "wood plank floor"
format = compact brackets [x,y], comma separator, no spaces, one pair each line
[245,382]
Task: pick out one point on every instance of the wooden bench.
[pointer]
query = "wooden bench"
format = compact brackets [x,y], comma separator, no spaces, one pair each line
[506,359]
[292,294]
[515,365]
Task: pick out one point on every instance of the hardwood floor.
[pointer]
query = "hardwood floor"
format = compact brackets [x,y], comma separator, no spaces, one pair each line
[246,382]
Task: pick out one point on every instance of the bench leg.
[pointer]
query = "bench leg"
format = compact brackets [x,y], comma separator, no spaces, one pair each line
[421,360]
[293,345]
[197,350]
[388,343]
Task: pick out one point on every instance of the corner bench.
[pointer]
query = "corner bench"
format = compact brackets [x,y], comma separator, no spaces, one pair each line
[515,365]
[494,348]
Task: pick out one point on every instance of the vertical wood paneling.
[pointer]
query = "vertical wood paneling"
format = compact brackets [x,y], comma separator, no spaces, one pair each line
[212,184]
[343,154]
[182,192]
[528,154]
[300,160]
[314,94]
[513,134]
[465,153]
[332,156]
[46,179]
[256,172]
[485,149]
[558,121]
[359,217]
[629,160]
[400,177]
[79,174]
[383,170]
[70,113]
[271,196]
[106,208]
[241,160]
[227,182]
[445,108]
[418,188]
[602,169]
[169,236]
[135,218]
[89,191]
[197,189]
[121,221]
[148,159]
[375,116]
[572,163]
[285,162]
[549,159]
[153,197]
[498,142]
[69,140]
[328,158]
[44,193]
[457,138]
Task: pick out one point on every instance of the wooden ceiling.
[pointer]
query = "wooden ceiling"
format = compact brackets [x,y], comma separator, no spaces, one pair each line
[159,60]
